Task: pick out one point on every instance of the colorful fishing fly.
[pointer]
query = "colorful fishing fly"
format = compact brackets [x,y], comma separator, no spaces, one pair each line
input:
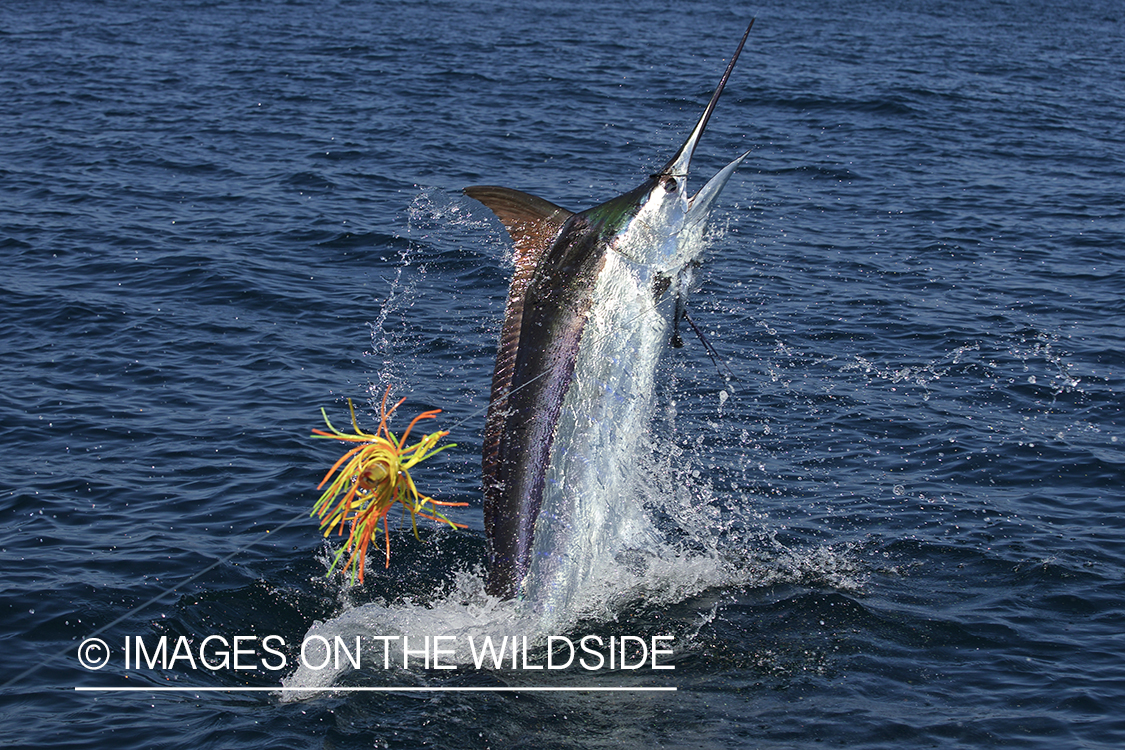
[374,476]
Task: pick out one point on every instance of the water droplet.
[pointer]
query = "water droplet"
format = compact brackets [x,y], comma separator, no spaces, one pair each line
[899,489]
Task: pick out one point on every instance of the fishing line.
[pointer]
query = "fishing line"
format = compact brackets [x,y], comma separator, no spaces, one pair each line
[153,600]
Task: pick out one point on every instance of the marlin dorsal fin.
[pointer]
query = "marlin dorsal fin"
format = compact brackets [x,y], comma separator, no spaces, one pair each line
[531,221]
[533,224]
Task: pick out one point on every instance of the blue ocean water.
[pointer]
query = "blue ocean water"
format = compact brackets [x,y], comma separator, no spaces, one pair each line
[218,217]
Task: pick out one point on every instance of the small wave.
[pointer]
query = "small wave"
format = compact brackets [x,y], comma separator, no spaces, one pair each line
[310,181]
[891,106]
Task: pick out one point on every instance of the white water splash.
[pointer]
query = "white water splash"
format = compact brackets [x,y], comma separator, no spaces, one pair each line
[711,549]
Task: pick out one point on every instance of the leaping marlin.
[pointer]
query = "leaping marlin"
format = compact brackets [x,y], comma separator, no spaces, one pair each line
[594,301]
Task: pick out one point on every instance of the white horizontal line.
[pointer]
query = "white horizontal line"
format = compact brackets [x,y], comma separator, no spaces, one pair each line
[351,689]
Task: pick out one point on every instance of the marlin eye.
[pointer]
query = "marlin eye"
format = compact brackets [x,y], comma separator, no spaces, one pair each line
[670,185]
